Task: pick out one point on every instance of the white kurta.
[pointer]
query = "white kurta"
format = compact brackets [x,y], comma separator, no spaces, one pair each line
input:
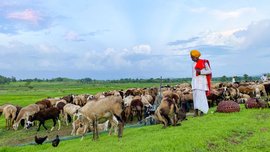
[199,87]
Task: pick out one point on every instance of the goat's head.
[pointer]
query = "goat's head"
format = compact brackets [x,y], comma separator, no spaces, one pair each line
[15,126]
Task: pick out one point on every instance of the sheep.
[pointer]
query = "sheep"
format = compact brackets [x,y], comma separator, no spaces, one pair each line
[103,108]
[24,113]
[172,95]
[69,110]
[168,112]
[261,89]
[105,126]
[81,130]
[80,100]
[10,114]
[79,124]
[99,95]
[53,100]
[136,107]
[60,105]
[44,104]
[147,100]
[43,115]
[2,107]
[68,98]
[82,126]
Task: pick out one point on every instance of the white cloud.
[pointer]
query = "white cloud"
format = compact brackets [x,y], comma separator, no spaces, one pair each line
[28,15]
[212,38]
[142,49]
[198,10]
[225,14]
[220,14]
[225,38]
[72,36]
[47,49]
[256,35]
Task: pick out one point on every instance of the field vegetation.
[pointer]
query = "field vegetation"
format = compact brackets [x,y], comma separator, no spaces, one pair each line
[248,130]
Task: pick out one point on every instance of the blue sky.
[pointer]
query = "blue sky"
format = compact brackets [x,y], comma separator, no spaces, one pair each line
[113,39]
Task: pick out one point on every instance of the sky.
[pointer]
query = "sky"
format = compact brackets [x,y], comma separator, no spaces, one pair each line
[114,39]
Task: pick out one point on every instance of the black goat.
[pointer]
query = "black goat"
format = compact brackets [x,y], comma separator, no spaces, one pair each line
[43,115]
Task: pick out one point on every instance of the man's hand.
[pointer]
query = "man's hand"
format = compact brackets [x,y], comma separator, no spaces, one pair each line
[198,71]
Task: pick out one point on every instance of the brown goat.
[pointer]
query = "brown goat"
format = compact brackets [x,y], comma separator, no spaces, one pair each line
[2,108]
[44,104]
[136,107]
[172,95]
[168,113]
[10,114]
[24,113]
[103,108]
[68,98]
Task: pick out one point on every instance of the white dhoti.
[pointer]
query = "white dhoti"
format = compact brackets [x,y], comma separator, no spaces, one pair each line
[199,87]
[200,100]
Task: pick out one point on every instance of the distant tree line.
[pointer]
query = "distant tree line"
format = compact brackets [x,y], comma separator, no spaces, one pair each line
[4,80]
[245,77]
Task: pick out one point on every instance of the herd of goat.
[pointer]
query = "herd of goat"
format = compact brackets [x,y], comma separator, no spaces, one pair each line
[168,105]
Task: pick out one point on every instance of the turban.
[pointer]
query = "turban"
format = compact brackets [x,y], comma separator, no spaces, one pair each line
[195,53]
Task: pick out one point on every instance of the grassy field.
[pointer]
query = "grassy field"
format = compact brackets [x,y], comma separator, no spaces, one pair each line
[23,93]
[248,130]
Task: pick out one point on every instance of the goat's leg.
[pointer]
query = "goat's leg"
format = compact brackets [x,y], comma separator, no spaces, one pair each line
[111,121]
[54,123]
[94,133]
[131,116]
[97,129]
[43,124]
[7,123]
[141,115]
[119,130]
[138,115]
[26,120]
[84,130]
[165,120]
[110,129]
[168,119]
[39,126]
[115,127]
[120,126]
[66,118]
[73,118]
[73,130]
[13,119]
[59,124]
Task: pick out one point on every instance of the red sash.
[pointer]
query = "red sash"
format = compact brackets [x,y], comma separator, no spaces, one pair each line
[201,65]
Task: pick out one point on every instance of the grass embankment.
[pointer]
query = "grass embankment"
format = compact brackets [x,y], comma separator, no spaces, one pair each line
[248,130]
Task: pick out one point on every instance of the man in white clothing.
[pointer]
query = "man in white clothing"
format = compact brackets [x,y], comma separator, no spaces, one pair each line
[201,80]
[233,80]
[264,78]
